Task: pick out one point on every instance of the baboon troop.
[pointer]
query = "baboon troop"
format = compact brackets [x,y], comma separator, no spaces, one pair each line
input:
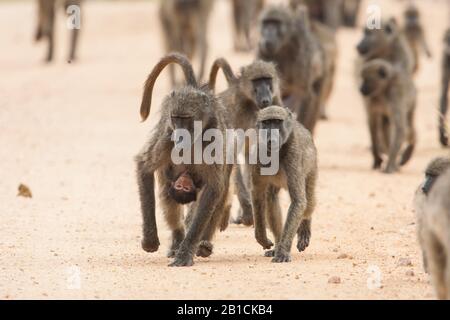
[185,29]
[390,98]
[415,34]
[47,11]
[245,17]
[443,130]
[297,174]
[432,202]
[179,111]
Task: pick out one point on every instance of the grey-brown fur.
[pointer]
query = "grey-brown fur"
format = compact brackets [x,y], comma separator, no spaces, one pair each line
[350,11]
[245,17]
[179,110]
[443,130]
[432,204]
[297,174]
[390,99]
[46,26]
[185,29]
[415,34]
[327,12]
[256,87]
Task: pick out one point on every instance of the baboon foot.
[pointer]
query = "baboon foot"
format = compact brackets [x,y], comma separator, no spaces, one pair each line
[407,155]
[182,260]
[304,235]
[205,249]
[269,253]
[150,245]
[390,170]
[377,164]
[281,256]
[264,242]
[171,253]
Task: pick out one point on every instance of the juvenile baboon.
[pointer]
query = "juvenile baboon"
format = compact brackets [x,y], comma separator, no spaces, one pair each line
[287,40]
[327,12]
[46,25]
[443,133]
[180,110]
[257,87]
[245,17]
[350,12]
[415,34]
[387,43]
[432,203]
[390,99]
[297,174]
[185,29]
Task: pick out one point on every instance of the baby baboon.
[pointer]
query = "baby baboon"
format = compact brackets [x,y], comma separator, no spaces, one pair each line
[443,132]
[287,40]
[390,98]
[326,11]
[185,28]
[46,25]
[415,34]
[180,110]
[297,174]
[350,11]
[432,204]
[387,43]
[245,16]
[256,88]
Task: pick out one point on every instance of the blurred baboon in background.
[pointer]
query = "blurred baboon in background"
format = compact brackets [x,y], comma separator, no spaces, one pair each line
[350,12]
[443,130]
[185,29]
[46,25]
[245,17]
[326,11]
[415,34]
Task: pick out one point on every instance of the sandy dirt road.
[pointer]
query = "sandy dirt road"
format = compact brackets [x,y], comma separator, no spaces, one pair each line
[70,132]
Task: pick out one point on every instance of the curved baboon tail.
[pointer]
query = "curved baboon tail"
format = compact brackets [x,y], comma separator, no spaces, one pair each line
[177,58]
[223,64]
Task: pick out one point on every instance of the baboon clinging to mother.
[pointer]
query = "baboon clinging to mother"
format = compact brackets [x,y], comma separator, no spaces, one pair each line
[443,130]
[297,174]
[185,29]
[245,16]
[179,111]
[432,203]
[46,25]
[390,98]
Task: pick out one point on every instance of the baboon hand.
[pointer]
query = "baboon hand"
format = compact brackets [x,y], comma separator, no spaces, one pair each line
[205,249]
[281,256]
[182,260]
[390,169]
[150,245]
[264,242]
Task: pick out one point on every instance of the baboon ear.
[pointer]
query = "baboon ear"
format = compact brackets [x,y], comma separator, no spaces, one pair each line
[382,72]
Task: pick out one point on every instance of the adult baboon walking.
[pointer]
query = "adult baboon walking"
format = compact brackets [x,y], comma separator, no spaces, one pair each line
[185,29]
[46,25]
[245,17]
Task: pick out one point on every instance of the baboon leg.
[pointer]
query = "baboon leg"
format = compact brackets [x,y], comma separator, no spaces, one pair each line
[304,231]
[74,34]
[397,136]
[374,126]
[444,108]
[274,217]
[411,138]
[436,258]
[146,182]
[259,194]
[245,216]
[50,31]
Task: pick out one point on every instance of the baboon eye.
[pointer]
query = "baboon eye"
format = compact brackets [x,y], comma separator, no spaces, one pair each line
[389,29]
[382,73]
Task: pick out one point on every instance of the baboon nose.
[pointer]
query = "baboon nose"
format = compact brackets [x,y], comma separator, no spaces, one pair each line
[361,49]
[265,103]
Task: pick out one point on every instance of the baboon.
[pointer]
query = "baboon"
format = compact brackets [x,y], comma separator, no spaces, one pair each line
[350,12]
[287,40]
[297,174]
[443,133]
[245,17]
[327,12]
[180,110]
[415,34]
[432,204]
[390,99]
[185,29]
[46,26]
[387,43]
[257,87]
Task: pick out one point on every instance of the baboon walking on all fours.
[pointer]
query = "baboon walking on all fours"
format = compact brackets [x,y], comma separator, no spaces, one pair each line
[390,99]
[46,25]
[180,110]
[245,17]
[257,87]
[443,130]
[185,29]
[415,34]
[288,41]
[297,174]
[432,203]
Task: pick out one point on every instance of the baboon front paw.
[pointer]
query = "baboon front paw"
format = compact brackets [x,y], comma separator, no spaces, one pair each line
[269,253]
[205,249]
[390,170]
[281,257]
[150,245]
[265,243]
[377,164]
[303,242]
[247,220]
[182,261]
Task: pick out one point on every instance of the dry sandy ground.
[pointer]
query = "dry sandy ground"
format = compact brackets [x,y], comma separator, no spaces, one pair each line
[70,132]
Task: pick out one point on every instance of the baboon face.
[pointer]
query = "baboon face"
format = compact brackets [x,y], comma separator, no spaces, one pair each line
[436,168]
[274,34]
[375,76]
[183,190]
[275,118]
[377,40]
[263,92]
[411,16]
